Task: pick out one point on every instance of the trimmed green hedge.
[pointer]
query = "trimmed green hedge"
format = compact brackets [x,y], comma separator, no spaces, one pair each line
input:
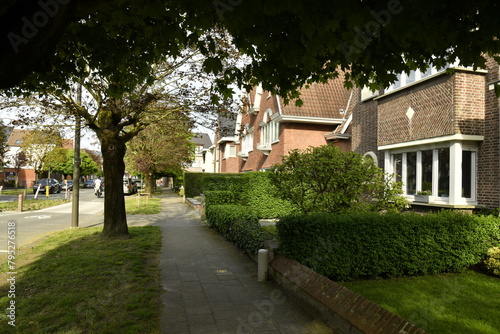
[250,189]
[260,195]
[220,197]
[228,182]
[370,245]
[238,224]
[196,183]
[193,184]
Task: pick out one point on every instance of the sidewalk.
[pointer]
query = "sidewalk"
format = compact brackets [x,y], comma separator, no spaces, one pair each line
[210,286]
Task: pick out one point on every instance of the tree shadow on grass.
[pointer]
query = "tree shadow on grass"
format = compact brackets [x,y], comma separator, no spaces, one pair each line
[79,282]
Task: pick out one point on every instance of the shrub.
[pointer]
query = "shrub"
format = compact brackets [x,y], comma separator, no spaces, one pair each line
[326,179]
[493,261]
[238,224]
[369,245]
[193,184]
[228,182]
[219,197]
[261,195]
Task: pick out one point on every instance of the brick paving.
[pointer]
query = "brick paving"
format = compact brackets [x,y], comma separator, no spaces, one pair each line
[210,286]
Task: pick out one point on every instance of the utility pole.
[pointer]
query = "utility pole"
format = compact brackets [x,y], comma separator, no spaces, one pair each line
[76,165]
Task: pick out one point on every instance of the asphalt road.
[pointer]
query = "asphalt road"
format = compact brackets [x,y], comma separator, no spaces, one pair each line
[30,225]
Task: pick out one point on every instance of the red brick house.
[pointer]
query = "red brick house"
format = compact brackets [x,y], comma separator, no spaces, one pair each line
[268,129]
[437,132]
[26,176]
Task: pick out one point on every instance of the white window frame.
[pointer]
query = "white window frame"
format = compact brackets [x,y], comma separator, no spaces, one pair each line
[414,76]
[247,142]
[229,151]
[455,173]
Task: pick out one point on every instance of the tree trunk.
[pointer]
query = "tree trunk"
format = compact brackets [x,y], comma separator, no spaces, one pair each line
[150,183]
[115,216]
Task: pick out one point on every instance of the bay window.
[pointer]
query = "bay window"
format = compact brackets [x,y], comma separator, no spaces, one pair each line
[447,171]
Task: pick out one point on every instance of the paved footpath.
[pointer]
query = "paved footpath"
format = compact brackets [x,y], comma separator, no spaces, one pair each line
[210,286]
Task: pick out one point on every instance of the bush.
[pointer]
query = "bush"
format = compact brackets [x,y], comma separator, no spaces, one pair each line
[193,184]
[220,197]
[370,245]
[227,182]
[261,195]
[238,224]
[326,179]
[250,189]
[493,261]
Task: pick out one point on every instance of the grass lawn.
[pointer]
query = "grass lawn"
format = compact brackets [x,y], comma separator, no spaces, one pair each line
[14,192]
[32,204]
[78,282]
[146,206]
[462,303]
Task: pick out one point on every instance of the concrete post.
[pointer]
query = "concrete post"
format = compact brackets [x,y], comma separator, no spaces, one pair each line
[20,203]
[263,265]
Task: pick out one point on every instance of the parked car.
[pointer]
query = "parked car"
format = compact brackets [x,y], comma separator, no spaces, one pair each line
[54,186]
[67,184]
[129,187]
[88,184]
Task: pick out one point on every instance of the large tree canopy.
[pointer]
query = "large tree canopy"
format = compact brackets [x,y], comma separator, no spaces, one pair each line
[289,43]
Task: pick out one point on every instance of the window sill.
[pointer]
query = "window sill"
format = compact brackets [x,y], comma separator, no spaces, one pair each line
[447,206]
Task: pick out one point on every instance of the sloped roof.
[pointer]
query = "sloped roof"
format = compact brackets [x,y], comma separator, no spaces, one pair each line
[320,100]
[202,139]
[16,137]
[68,144]
[227,124]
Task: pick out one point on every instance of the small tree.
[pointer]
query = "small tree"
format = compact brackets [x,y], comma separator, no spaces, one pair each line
[87,165]
[326,179]
[162,147]
[43,149]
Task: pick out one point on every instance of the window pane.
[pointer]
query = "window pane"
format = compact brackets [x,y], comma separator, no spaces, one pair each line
[410,77]
[411,173]
[467,174]
[444,172]
[427,170]
[397,83]
[398,167]
[427,73]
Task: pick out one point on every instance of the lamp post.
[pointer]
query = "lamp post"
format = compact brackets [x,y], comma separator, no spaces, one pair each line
[76,165]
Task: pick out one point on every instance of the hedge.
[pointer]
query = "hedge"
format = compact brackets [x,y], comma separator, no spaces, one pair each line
[220,197]
[238,224]
[194,183]
[250,189]
[260,195]
[370,245]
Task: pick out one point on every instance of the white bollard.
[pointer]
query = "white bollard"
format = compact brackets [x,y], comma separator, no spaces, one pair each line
[263,264]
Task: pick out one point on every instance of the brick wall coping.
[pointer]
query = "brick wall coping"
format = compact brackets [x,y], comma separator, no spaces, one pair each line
[345,310]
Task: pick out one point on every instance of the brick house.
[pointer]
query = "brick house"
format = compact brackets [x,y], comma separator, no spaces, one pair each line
[26,176]
[435,131]
[267,129]
[438,132]
[225,152]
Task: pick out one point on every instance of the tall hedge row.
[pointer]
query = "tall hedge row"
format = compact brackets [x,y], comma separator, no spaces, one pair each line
[250,189]
[370,245]
[194,183]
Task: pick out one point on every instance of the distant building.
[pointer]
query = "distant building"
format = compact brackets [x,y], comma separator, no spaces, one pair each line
[203,144]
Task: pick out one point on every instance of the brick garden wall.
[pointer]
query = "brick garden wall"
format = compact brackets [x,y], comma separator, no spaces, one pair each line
[344,310]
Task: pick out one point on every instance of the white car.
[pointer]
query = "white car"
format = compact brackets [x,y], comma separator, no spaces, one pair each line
[129,187]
